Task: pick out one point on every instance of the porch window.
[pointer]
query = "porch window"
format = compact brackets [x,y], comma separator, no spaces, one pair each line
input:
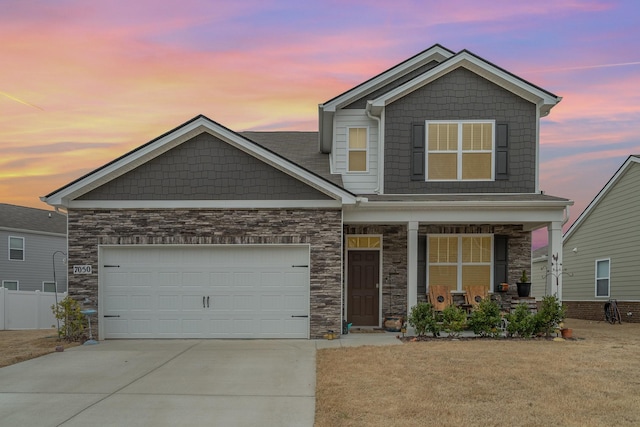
[11,285]
[357,150]
[460,260]
[603,277]
[16,248]
[460,151]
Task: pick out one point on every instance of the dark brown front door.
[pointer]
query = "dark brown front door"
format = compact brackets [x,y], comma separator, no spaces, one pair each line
[363,282]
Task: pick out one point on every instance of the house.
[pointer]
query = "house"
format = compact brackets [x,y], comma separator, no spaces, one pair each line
[600,250]
[33,242]
[539,269]
[425,173]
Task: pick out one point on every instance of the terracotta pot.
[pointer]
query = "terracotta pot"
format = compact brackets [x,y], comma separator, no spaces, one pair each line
[566,332]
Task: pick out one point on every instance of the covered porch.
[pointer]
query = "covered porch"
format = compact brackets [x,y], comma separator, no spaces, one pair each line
[393,249]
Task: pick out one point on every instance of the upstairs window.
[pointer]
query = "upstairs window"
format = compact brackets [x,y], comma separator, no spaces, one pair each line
[602,277]
[16,248]
[357,147]
[460,151]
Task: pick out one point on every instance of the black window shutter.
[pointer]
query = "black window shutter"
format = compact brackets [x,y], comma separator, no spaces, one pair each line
[500,260]
[502,151]
[422,265]
[417,152]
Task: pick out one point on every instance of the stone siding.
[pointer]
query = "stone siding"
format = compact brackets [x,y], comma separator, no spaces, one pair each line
[321,229]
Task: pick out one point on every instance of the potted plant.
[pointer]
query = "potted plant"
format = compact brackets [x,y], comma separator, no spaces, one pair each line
[524,285]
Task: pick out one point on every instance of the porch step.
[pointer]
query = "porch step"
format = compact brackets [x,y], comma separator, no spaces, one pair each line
[530,301]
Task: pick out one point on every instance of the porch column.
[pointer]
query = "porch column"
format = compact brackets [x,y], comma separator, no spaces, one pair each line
[412,265]
[554,266]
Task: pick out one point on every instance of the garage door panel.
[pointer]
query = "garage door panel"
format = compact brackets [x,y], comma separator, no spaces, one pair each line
[252,292]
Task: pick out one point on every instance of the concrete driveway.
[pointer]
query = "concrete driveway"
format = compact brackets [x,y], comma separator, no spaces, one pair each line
[164,382]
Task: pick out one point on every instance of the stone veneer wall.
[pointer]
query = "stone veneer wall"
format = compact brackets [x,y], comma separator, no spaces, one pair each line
[394,257]
[321,229]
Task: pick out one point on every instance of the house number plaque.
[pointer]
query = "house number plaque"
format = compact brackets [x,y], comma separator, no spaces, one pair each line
[81,269]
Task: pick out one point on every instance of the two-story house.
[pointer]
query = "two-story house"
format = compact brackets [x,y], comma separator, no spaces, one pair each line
[426,173]
[30,239]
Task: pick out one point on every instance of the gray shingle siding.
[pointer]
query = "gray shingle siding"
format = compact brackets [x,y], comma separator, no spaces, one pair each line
[205,168]
[461,95]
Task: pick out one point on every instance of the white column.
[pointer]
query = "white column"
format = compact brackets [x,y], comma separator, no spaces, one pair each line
[554,255]
[412,265]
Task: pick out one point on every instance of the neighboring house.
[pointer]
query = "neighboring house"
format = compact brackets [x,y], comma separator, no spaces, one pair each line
[426,173]
[602,250]
[30,237]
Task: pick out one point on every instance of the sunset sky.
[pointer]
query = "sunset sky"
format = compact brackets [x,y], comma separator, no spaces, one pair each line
[82,82]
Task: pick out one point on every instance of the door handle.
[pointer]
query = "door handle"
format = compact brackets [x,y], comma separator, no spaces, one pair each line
[207,302]
[377,285]
[203,306]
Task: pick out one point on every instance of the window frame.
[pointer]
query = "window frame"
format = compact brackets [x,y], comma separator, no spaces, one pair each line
[49,282]
[459,151]
[359,150]
[17,282]
[608,277]
[459,264]
[10,249]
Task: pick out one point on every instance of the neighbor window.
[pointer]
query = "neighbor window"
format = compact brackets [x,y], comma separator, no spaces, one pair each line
[460,151]
[602,277]
[357,150]
[16,248]
[48,286]
[460,260]
[11,285]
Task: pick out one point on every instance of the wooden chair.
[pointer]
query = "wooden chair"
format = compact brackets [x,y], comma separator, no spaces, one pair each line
[440,297]
[473,295]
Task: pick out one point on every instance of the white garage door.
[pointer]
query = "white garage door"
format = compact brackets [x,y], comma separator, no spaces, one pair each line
[204,291]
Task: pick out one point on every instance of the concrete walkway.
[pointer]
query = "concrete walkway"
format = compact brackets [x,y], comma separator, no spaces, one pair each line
[170,383]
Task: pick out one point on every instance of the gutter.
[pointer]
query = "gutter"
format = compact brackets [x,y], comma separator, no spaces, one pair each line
[380,148]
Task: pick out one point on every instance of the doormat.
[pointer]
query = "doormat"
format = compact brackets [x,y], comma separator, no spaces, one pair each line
[366,331]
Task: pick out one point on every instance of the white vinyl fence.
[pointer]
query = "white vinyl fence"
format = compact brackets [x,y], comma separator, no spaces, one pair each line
[27,309]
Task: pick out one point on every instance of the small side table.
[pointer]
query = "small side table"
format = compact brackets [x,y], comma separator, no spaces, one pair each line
[89,312]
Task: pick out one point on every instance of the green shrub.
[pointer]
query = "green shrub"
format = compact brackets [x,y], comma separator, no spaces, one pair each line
[73,321]
[423,319]
[550,314]
[522,322]
[454,320]
[485,319]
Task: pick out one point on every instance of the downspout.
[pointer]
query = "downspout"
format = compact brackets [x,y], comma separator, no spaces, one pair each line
[380,138]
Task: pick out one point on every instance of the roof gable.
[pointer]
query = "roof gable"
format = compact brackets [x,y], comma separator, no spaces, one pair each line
[185,132]
[631,161]
[544,99]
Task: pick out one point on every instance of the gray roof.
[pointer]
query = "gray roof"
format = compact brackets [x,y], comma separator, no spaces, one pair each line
[540,252]
[299,147]
[24,218]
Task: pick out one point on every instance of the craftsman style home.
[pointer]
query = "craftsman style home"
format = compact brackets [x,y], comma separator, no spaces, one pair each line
[425,173]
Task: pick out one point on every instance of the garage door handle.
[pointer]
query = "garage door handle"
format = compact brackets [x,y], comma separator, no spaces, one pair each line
[207,302]
[293,315]
[203,306]
[301,266]
[111,315]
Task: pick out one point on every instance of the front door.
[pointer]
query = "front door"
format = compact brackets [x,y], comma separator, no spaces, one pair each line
[363,282]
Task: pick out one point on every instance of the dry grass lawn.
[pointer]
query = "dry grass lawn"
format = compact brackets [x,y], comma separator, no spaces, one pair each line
[593,380]
[17,346]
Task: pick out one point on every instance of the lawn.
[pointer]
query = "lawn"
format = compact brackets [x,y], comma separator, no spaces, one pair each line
[592,380]
[17,346]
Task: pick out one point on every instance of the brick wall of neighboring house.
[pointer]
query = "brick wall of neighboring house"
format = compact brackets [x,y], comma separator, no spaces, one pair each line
[321,229]
[394,257]
[594,310]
